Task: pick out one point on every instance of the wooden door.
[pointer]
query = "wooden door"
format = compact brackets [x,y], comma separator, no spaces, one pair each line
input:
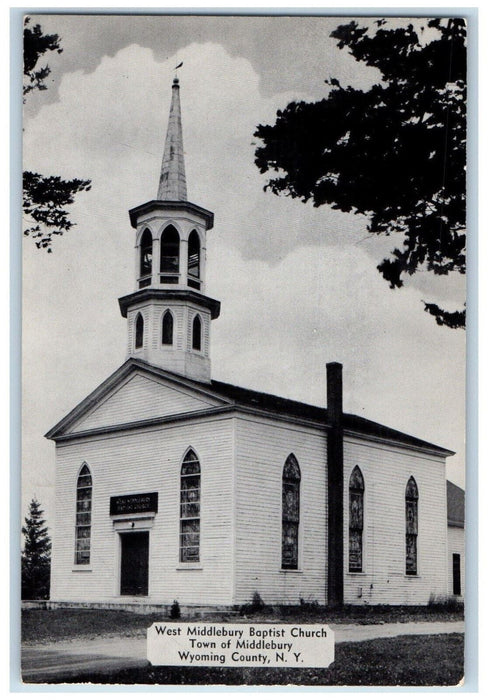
[134,563]
[456,574]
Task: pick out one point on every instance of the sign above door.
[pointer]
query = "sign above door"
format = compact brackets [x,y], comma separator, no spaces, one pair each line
[134,503]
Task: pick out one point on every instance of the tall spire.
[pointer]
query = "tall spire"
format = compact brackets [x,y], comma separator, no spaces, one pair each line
[172,181]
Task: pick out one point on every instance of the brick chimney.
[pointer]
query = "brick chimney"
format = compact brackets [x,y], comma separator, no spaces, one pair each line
[335,482]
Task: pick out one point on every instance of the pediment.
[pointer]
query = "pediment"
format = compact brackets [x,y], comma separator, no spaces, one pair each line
[136,395]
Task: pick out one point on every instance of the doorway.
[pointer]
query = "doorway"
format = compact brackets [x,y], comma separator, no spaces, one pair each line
[134,563]
[456,574]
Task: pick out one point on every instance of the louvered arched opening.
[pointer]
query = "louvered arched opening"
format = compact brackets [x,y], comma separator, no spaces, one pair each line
[194,260]
[170,256]
[139,340]
[146,252]
[196,333]
[167,331]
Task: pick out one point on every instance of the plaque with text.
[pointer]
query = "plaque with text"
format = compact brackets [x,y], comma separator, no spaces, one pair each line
[134,503]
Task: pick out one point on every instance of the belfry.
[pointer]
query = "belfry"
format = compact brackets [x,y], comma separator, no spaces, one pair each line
[168,314]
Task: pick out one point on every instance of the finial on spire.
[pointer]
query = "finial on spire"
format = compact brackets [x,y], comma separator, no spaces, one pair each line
[172,181]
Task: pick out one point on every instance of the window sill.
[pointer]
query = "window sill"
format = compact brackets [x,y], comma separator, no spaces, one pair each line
[82,567]
[189,567]
[407,576]
[291,571]
[357,573]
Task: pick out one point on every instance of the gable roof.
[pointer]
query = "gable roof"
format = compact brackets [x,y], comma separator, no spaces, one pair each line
[455,505]
[232,396]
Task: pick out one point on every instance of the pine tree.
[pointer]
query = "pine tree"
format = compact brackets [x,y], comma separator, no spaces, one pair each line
[36,555]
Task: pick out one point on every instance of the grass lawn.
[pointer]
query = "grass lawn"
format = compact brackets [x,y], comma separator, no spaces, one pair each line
[430,660]
[55,625]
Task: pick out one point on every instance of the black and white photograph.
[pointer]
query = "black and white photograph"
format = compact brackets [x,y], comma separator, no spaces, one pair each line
[243,350]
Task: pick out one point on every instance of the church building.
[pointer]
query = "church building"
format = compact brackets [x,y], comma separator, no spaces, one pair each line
[171,485]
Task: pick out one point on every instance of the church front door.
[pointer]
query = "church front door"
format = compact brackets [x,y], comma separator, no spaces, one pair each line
[134,563]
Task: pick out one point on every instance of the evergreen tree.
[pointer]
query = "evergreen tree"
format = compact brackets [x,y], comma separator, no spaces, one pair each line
[36,555]
[395,153]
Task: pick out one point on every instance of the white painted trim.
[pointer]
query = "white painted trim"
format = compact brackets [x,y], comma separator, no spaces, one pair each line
[170,222]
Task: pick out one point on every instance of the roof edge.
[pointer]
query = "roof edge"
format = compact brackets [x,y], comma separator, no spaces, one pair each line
[135,212]
[395,438]
[427,447]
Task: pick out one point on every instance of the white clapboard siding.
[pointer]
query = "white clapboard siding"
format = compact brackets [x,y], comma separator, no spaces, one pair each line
[455,544]
[386,470]
[261,450]
[139,398]
[139,462]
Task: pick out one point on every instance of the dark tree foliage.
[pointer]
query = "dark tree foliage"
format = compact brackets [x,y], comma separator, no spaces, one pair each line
[395,153]
[44,197]
[35,45]
[36,555]
[44,202]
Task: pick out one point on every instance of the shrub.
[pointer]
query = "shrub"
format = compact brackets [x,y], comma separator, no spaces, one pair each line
[175,612]
[257,602]
[450,603]
[256,605]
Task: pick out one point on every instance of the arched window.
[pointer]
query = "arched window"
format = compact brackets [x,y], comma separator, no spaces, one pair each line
[290,513]
[411,526]
[139,331]
[146,248]
[170,256]
[167,337]
[196,333]
[190,508]
[83,516]
[194,260]
[356,516]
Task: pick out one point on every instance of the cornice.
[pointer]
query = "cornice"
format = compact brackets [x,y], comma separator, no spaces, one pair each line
[155,204]
[150,293]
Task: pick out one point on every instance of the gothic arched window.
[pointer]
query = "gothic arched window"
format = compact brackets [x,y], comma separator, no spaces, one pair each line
[411,526]
[170,256]
[167,335]
[290,513]
[83,516]
[190,508]
[356,517]
[146,249]
[194,260]
[139,331]
[196,333]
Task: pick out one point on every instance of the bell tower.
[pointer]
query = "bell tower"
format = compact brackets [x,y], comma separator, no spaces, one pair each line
[168,314]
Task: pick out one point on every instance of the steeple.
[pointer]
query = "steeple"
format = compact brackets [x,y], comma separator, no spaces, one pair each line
[169,314]
[172,181]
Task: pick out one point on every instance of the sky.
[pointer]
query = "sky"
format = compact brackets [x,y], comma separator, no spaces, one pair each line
[298,285]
